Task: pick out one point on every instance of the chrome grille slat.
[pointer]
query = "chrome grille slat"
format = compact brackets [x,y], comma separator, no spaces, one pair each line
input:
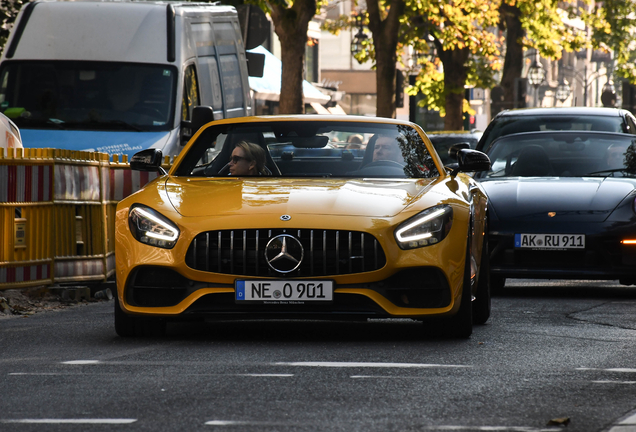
[350,253]
[326,252]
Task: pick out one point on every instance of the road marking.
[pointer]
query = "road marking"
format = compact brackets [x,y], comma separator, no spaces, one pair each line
[386,377]
[368,365]
[81,362]
[69,421]
[442,427]
[264,375]
[492,428]
[614,382]
[623,370]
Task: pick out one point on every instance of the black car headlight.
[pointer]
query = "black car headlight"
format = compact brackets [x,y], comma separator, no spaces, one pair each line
[152,228]
[426,228]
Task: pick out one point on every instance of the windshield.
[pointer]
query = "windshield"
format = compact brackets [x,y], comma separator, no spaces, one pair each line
[309,149]
[507,125]
[564,154]
[88,95]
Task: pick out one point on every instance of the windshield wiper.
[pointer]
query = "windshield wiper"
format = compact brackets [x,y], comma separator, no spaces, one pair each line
[610,172]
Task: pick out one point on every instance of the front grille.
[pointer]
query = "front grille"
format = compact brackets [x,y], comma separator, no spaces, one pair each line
[326,252]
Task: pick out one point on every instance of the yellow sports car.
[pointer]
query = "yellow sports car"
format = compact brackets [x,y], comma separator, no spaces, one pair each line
[282,217]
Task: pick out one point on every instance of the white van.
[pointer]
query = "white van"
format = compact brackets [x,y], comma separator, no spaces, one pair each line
[123,76]
[9,134]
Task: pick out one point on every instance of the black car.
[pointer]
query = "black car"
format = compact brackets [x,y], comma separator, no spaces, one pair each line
[444,140]
[562,205]
[554,119]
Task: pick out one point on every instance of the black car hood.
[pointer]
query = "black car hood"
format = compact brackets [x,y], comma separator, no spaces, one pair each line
[590,198]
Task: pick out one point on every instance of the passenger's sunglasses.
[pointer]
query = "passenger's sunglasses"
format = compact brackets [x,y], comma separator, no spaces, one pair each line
[237,159]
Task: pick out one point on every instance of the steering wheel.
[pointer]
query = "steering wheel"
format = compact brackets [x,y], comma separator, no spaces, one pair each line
[384,162]
[225,170]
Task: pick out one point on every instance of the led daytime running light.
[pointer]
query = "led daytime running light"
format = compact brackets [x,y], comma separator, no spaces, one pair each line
[158,221]
[416,223]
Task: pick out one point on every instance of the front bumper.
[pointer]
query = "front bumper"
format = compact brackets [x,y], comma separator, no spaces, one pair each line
[161,291]
[604,258]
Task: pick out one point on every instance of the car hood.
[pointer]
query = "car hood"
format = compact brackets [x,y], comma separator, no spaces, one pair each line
[571,198]
[376,198]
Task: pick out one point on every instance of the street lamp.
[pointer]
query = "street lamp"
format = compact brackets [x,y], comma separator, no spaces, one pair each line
[536,75]
[360,40]
[563,90]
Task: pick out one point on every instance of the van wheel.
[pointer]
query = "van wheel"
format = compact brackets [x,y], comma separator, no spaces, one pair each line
[481,304]
[125,324]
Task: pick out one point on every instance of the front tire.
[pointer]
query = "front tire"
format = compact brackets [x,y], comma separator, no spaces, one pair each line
[130,326]
[481,304]
[125,325]
[461,324]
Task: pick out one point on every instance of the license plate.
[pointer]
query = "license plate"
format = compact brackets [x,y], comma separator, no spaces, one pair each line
[550,241]
[283,292]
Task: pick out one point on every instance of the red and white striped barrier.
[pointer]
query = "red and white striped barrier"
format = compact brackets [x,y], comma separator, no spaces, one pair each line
[124,182]
[25,273]
[26,183]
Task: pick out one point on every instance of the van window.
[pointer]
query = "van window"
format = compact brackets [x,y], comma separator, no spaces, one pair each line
[226,45]
[210,76]
[190,93]
[232,81]
[88,95]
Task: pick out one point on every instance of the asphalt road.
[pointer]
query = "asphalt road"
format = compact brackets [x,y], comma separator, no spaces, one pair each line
[564,353]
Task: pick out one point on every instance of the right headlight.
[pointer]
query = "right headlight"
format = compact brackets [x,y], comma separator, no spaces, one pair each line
[152,228]
[426,228]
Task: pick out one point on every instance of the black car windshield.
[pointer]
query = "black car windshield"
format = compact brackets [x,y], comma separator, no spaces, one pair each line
[88,95]
[563,154]
[512,124]
[312,149]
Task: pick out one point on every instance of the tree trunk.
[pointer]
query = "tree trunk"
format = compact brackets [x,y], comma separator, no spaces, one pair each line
[513,62]
[385,40]
[290,25]
[386,60]
[291,88]
[455,74]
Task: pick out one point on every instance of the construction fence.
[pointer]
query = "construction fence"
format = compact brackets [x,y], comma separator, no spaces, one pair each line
[57,214]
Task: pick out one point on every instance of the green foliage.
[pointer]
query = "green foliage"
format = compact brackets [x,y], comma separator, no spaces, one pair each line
[615,30]
[547,26]
[8,13]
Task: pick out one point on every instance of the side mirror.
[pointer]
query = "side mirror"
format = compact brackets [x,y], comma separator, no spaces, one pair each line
[201,115]
[472,161]
[455,148]
[147,160]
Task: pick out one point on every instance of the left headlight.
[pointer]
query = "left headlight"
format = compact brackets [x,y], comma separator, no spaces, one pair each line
[152,228]
[426,228]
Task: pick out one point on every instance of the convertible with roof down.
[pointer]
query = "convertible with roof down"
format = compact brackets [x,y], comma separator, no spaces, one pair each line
[313,230]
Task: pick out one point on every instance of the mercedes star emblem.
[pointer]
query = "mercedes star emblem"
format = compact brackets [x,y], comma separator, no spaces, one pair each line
[284,253]
[285,218]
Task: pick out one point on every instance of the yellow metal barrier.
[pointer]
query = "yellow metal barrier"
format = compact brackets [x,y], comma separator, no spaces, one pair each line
[57,210]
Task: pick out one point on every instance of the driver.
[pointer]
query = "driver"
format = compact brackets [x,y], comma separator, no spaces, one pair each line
[387,148]
[614,157]
[247,159]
